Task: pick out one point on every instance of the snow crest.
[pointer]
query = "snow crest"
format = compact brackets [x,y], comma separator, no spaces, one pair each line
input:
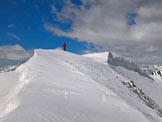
[61,86]
[11,101]
[117,60]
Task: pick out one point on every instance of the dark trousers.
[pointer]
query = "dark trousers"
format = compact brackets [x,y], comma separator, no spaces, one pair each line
[64,48]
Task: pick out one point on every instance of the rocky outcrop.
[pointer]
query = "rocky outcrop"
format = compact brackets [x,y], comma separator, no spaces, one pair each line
[8,68]
[147,100]
[157,73]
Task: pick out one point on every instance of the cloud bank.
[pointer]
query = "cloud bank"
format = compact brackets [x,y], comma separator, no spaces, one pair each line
[107,23]
[15,52]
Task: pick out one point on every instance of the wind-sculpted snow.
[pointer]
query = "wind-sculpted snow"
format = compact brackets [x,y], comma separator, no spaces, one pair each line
[8,84]
[12,87]
[101,57]
[118,60]
[153,88]
[57,86]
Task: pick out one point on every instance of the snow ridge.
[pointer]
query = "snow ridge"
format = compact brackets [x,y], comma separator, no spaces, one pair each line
[118,60]
[11,102]
[61,86]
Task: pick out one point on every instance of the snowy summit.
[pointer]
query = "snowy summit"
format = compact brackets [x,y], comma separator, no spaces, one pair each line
[58,86]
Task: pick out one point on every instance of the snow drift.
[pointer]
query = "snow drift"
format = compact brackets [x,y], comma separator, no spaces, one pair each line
[59,86]
[118,60]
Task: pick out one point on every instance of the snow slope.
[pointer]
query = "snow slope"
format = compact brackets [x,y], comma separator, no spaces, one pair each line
[152,88]
[57,86]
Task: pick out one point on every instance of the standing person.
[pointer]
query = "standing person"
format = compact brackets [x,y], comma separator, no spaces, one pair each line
[64,46]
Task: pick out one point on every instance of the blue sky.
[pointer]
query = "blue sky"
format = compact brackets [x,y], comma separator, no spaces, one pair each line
[131,28]
[22,23]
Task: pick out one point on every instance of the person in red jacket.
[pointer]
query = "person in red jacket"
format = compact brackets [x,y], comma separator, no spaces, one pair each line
[64,46]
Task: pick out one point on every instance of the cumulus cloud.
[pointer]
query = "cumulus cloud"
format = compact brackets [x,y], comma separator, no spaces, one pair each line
[14,52]
[11,26]
[105,23]
[53,29]
[14,36]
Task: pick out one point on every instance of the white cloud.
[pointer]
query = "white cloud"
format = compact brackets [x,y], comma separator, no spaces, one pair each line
[51,28]
[149,21]
[68,12]
[105,24]
[14,36]
[11,26]
[14,52]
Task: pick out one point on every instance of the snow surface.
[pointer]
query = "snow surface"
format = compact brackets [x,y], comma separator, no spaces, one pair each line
[99,57]
[126,63]
[57,86]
